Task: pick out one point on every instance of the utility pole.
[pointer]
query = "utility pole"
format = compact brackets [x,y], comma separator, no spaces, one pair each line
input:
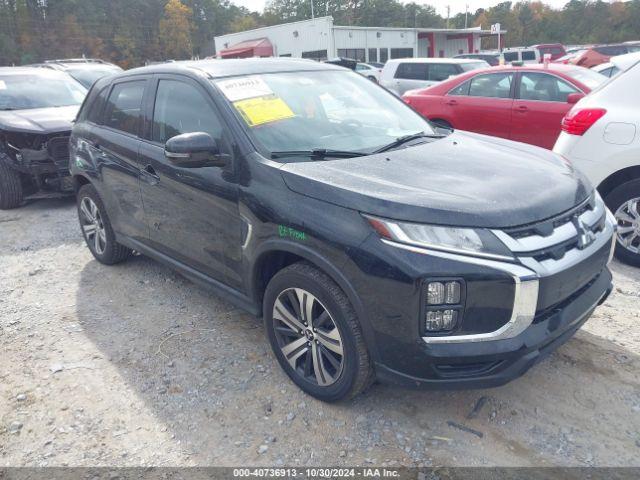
[466,12]
[448,12]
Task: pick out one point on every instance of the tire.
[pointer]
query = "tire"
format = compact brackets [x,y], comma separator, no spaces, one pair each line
[373,79]
[618,202]
[328,383]
[11,193]
[100,239]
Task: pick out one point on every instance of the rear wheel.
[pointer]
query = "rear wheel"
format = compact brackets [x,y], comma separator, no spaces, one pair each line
[96,228]
[624,202]
[11,193]
[315,334]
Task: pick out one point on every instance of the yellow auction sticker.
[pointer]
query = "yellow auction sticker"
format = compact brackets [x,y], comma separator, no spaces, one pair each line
[261,110]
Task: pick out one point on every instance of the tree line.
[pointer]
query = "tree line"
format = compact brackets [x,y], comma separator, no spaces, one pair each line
[133,32]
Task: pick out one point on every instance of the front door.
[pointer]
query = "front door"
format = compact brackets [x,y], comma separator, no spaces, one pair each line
[541,102]
[192,212]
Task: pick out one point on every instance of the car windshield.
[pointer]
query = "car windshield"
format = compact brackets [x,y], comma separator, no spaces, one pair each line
[587,77]
[319,110]
[87,76]
[21,92]
[467,67]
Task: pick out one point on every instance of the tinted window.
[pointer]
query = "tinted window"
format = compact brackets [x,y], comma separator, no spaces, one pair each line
[318,55]
[402,53]
[384,55]
[353,53]
[442,71]
[544,87]
[95,109]
[123,107]
[528,55]
[181,108]
[494,85]
[373,55]
[412,71]
[510,56]
[611,50]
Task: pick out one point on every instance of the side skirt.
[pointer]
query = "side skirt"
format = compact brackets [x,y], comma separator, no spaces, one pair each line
[239,299]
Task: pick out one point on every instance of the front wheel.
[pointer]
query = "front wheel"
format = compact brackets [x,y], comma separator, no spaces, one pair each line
[315,334]
[97,230]
[11,193]
[624,201]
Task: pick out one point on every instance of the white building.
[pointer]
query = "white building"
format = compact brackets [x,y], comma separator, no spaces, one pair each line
[320,39]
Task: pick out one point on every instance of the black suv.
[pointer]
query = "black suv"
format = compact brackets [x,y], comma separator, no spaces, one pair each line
[36,110]
[372,245]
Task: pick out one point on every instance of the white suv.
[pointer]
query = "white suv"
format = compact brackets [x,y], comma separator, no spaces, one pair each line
[601,136]
[400,75]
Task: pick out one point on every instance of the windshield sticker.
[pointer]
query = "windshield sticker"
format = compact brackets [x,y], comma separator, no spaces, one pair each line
[258,111]
[242,88]
[3,86]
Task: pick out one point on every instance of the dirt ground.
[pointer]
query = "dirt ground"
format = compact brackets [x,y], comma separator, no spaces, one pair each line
[135,366]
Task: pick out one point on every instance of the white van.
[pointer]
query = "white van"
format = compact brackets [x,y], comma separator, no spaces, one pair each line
[402,74]
[524,55]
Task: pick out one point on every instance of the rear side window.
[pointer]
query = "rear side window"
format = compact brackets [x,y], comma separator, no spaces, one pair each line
[462,89]
[182,108]
[493,85]
[95,109]
[441,71]
[528,55]
[510,56]
[124,105]
[544,88]
[412,71]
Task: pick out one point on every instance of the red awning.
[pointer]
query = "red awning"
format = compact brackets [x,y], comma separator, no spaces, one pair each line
[260,47]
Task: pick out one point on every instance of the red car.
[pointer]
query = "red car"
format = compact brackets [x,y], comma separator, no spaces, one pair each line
[556,50]
[524,103]
[594,56]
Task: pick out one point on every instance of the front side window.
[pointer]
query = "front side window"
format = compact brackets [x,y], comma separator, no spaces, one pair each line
[329,109]
[21,92]
[182,108]
[123,107]
[545,88]
[494,85]
[462,89]
[441,71]
[412,71]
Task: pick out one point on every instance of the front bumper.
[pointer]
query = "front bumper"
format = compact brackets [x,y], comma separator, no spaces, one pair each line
[494,363]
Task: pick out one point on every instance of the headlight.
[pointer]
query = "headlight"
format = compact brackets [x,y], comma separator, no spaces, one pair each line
[467,241]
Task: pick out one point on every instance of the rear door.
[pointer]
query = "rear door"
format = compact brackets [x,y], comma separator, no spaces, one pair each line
[483,104]
[540,104]
[410,75]
[192,212]
[115,145]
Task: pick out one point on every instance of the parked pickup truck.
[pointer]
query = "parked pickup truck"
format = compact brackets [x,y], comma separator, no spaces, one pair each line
[37,107]
[373,245]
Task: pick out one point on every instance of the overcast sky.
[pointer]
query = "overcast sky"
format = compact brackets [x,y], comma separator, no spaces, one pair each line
[440,5]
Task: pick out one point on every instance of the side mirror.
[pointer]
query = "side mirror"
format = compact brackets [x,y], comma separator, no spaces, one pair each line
[194,150]
[573,98]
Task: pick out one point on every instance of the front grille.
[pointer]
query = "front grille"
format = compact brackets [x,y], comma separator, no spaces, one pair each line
[567,252]
[58,148]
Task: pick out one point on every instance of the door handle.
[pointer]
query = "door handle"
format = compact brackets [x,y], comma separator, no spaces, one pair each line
[149,175]
[451,102]
[522,108]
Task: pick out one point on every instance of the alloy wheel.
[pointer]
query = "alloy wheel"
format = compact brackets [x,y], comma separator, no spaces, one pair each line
[308,336]
[628,218]
[92,225]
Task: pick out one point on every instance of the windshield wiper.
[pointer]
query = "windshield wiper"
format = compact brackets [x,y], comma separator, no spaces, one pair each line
[318,153]
[407,138]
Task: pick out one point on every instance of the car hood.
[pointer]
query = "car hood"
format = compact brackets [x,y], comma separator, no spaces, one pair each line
[38,120]
[465,179]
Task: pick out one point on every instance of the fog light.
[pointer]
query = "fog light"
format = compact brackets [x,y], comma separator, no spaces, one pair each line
[452,293]
[441,320]
[435,293]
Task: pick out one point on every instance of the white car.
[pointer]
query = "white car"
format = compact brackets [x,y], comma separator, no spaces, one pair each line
[617,64]
[371,72]
[400,75]
[518,54]
[601,137]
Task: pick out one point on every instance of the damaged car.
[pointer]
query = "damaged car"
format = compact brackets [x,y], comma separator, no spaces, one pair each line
[37,107]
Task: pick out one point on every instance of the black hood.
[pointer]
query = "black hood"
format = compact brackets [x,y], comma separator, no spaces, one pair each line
[465,179]
[38,120]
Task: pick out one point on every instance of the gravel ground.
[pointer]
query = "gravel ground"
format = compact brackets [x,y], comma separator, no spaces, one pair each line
[133,365]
